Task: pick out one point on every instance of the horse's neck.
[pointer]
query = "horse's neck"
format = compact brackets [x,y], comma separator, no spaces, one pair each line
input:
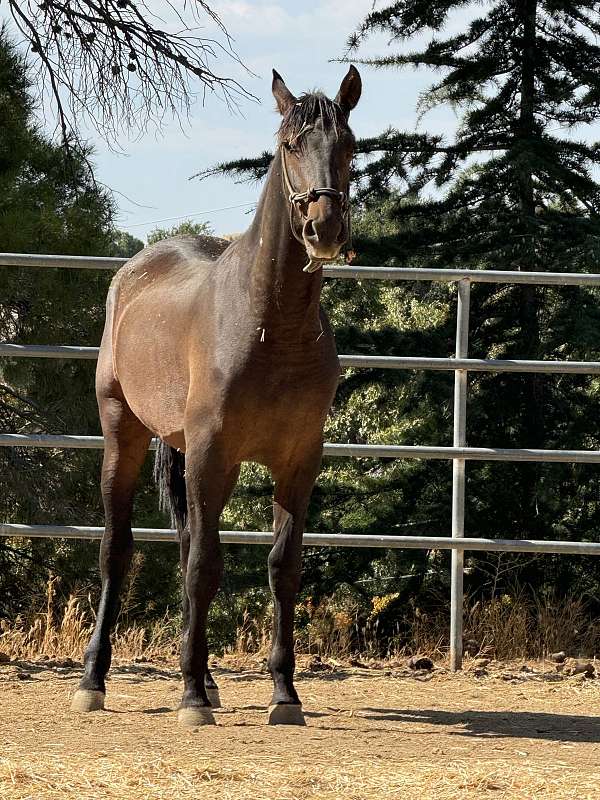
[283,296]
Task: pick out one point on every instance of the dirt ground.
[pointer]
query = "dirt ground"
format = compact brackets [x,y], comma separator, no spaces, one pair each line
[370,733]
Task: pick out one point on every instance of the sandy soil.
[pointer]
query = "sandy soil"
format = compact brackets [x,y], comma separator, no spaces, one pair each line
[370,733]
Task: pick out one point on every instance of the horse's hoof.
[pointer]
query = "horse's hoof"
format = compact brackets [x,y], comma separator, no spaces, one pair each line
[212,692]
[285,714]
[194,716]
[87,700]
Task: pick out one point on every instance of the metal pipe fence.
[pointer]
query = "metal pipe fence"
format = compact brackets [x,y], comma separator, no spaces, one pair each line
[337,450]
[459,453]
[169,535]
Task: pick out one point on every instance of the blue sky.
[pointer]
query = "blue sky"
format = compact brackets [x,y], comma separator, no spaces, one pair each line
[151,177]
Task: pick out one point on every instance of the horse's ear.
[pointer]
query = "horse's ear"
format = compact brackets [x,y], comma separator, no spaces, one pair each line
[350,89]
[284,98]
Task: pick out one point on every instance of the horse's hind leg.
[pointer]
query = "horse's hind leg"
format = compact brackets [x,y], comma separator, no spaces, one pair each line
[126,442]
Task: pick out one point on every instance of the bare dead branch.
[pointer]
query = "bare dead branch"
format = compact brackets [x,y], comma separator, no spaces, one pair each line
[119,66]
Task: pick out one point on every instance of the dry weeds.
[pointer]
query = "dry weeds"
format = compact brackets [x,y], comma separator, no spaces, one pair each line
[65,635]
[506,627]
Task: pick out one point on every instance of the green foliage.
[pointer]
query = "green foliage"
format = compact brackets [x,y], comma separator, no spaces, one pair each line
[50,204]
[507,192]
[186,228]
[124,245]
[513,189]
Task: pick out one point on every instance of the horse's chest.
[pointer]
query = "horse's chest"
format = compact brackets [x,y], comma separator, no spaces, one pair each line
[283,393]
[285,389]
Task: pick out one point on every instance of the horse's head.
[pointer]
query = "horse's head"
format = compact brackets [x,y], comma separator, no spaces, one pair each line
[316,150]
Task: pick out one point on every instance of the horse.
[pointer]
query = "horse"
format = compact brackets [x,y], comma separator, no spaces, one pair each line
[226,361]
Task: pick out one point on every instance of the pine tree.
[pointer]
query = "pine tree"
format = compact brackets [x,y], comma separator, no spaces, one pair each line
[514,189]
[513,181]
[49,203]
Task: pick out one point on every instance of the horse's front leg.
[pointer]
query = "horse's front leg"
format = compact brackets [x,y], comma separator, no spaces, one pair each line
[212,690]
[207,482]
[293,486]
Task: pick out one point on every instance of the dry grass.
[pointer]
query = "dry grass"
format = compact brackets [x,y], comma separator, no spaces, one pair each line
[506,627]
[509,626]
[370,735]
[380,733]
[123,776]
[66,635]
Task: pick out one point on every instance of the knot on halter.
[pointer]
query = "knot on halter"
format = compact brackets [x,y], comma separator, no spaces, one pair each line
[313,194]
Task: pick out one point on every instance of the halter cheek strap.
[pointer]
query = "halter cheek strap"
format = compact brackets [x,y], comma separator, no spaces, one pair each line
[295,199]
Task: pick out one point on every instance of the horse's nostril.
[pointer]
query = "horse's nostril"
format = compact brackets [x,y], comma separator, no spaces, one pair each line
[310,231]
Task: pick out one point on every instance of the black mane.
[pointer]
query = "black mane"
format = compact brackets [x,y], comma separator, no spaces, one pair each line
[305,112]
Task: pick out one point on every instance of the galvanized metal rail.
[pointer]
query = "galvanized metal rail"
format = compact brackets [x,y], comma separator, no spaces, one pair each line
[377,273]
[459,453]
[169,535]
[340,450]
[358,361]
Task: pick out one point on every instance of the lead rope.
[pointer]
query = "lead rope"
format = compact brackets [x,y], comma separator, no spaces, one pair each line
[311,196]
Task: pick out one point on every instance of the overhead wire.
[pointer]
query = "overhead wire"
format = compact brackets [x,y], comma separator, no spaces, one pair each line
[190,214]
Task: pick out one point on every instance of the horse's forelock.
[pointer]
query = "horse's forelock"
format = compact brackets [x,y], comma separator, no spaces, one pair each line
[305,112]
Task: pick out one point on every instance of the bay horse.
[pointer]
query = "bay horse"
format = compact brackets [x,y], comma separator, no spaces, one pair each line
[227,360]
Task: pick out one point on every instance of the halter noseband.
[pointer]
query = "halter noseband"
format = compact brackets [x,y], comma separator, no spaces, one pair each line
[295,199]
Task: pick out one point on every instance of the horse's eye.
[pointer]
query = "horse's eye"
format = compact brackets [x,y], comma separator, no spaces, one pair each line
[290,147]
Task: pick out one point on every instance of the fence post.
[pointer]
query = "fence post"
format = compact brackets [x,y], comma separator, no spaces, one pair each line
[458,476]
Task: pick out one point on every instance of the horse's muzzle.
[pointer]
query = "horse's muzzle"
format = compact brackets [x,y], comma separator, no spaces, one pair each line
[324,237]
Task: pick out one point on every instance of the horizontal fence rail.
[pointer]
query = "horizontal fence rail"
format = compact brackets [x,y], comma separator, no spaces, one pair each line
[319,539]
[358,361]
[461,365]
[377,273]
[337,450]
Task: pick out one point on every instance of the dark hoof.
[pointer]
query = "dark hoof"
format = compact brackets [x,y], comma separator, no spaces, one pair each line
[212,692]
[87,700]
[194,716]
[285,714]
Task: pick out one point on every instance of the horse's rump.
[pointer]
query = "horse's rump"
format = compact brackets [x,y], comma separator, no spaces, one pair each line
[152,303]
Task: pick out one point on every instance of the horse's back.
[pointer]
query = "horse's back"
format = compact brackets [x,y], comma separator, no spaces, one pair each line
[175,260]
[160,272]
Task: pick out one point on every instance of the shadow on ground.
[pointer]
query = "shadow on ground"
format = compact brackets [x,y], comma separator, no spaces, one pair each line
[498,724]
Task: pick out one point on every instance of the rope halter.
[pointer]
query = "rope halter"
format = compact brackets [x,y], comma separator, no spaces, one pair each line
[311,195]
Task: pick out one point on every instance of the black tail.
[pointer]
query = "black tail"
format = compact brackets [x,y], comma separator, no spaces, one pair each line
[169,474]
